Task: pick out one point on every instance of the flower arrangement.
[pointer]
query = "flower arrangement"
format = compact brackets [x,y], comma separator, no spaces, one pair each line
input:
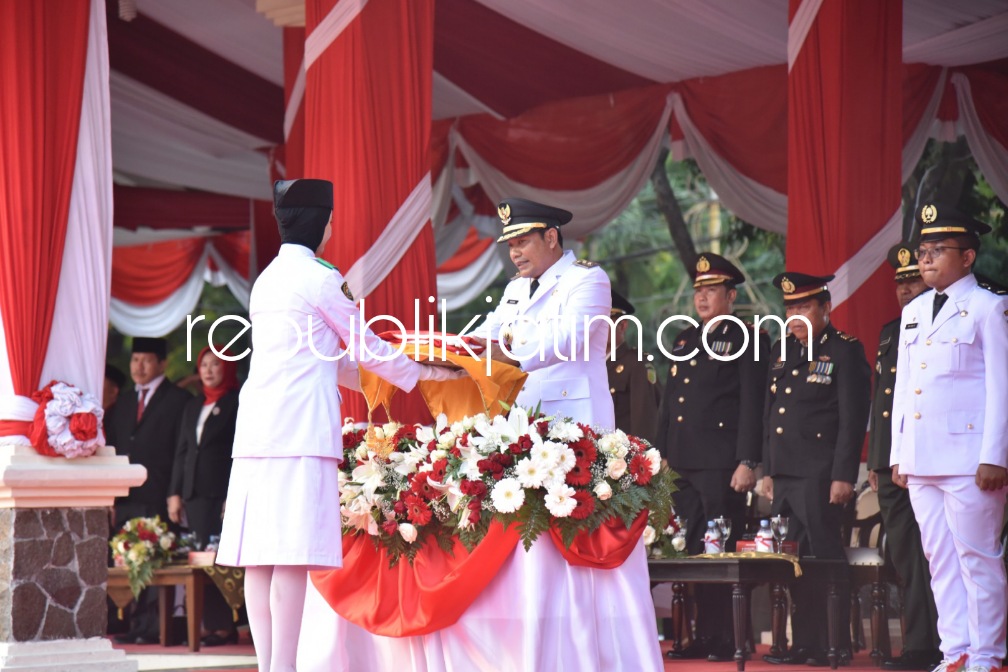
[141,546]
[403,484]
[669,543]
[67,422]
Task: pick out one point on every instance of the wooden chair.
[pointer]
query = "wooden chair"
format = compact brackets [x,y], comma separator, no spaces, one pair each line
[865,551]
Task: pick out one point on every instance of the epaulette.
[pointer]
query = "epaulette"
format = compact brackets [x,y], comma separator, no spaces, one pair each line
[845,336]
[516,275]
[585,263]
[1000,290]
[326,264]
[752,327]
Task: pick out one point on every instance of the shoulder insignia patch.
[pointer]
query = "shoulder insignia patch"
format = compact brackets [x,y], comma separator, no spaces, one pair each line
[325,263]
[585,263]
[347,293]
[845,336]
[652,375]
[993,288]
[516,275]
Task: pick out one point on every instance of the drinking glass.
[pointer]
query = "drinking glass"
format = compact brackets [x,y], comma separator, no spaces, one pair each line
[779,527]
[724,524]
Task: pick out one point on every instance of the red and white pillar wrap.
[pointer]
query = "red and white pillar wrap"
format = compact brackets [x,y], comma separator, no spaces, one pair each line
[369,73]
[844,152]
[55,201]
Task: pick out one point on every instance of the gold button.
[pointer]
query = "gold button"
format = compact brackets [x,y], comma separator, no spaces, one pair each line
[612,390]
[619,368]
[923,365]
[885,414]
[679,419]
[780,430]
[917,391]
[892,370]
[787,390]
[969,426]
[955,340]
[781,410]
[888,390]
[524,341]
[721,424]
[917,416]
[692,362]
[795,372]
[682,399]
[962,314]
[564,393]
[773,388]
[685,381]
[818,435]
[927,342]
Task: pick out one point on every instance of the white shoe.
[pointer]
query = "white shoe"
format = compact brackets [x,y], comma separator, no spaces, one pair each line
[954,666]
[980,668]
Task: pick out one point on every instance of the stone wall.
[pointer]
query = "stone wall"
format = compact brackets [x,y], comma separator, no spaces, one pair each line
[53,570]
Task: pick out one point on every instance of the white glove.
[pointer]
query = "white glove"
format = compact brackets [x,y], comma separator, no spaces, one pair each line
[439,373]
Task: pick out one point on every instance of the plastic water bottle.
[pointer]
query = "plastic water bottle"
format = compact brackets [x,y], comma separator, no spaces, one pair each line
[712,539]
[764,538]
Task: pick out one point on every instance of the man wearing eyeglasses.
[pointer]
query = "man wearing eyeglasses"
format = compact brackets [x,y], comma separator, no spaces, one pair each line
[950,435]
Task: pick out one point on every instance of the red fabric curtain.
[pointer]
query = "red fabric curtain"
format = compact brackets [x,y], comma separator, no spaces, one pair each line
[42,57]
[170,209]
[471,249]
[293,62]
[988,83]
[148,274]
[844,149]
[368,121]
[571,144]
[235,249]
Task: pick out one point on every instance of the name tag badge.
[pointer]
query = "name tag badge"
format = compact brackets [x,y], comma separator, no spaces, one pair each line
[912,325]
[511,301]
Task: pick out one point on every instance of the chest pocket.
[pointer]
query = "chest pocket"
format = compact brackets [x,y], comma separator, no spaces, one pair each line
[564,388]
[960,340]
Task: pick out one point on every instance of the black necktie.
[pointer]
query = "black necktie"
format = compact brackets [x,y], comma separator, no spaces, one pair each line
[534,285]
[939,301]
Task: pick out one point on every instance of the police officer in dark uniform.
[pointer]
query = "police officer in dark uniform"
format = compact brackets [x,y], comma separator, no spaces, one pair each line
[633,383]
[920,637]
[709,430]
[816,413]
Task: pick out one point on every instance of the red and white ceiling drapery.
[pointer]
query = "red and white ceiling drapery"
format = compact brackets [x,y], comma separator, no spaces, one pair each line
[55,202]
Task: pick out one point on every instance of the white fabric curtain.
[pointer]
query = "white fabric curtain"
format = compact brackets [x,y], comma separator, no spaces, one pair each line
[990,155]
[226,275]
[461,287]
[160,318]
[978,42]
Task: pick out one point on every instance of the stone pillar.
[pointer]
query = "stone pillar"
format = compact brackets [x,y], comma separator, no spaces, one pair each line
[54,533]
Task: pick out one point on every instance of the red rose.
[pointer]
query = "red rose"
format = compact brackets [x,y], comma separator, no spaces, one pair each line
[390,527]
[84,426]
[399,508]
[542,427]
[525,442]
[580,474]
[474,517]
[640,469]
[585,505]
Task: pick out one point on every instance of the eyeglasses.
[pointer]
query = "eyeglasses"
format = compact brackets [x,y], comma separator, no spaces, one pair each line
[935,252]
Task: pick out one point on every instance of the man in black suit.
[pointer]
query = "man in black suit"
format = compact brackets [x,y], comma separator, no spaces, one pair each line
[921,641]
[144,425]
[814,424]
[709,430]
[633,382]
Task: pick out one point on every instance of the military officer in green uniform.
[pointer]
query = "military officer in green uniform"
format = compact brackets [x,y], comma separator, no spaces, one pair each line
[633,383]
[920,637]
[710,429]
[817,408]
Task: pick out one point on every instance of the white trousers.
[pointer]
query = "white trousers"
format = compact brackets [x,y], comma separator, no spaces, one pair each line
[960,529]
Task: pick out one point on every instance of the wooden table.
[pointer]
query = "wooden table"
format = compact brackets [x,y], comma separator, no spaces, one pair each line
[743,574]
[193,578]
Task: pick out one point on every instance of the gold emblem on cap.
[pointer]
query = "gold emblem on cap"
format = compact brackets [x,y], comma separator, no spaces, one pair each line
[787,286]
[929,213]
[702,265]
[904,256]
[504,212]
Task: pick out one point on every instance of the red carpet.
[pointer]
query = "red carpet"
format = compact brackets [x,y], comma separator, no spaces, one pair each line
[862,663]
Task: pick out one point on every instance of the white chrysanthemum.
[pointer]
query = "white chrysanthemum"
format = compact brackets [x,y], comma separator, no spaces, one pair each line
[649,535]
[616,467]
[530,473]
[566,459]
[565,431]
[554,477]
[679,543]
[560,500]
[603,491]
[654,460]
[508,495]
[547,453]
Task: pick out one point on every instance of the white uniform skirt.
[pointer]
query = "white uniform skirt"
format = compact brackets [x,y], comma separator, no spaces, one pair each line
[282,511]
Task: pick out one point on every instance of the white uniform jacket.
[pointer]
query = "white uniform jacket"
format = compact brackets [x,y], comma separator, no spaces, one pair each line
[950,403]
[290,405]
[568,292]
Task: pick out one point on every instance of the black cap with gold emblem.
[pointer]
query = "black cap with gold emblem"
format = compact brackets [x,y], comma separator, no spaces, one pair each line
[519,216]
[620,305]
[901,257]
[938,221]
[800,286]
[713,269]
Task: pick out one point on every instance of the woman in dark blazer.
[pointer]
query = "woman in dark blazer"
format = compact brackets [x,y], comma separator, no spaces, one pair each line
[202,470]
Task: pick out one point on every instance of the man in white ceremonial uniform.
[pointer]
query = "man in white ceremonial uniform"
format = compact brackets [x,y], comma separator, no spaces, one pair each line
[538,614]
[950,435]
[282,512]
